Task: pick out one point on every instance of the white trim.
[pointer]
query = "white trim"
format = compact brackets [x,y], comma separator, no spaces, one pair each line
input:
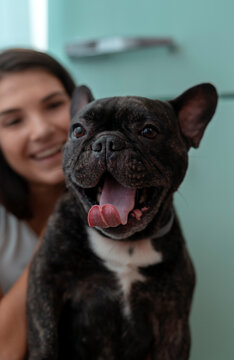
[38,20]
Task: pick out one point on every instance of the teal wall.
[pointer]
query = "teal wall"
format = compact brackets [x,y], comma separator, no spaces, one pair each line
[14,23]
[204,33]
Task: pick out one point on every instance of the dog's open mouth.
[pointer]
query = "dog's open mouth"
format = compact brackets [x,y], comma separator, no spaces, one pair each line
[112,204]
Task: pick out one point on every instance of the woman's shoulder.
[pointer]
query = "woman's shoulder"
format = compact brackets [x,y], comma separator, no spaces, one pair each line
[12,228]
[17,244]
[2,213]
[8,222]
[6,219]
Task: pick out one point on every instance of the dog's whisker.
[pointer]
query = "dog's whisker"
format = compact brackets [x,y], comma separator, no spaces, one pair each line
[182,197]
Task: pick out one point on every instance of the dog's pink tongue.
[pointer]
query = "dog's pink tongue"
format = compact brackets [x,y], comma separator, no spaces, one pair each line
[116,202]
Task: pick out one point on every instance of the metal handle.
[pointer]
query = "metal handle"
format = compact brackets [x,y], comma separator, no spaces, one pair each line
[113,45]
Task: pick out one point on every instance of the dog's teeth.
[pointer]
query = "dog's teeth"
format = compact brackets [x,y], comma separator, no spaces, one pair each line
[143,196]
[142,199]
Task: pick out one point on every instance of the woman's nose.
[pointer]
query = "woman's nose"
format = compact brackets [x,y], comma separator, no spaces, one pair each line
[41,128]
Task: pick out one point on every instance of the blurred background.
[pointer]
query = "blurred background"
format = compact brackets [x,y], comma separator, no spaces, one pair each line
[197,47]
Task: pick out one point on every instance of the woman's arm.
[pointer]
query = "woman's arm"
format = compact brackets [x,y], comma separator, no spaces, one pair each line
[13,338]
[13,320]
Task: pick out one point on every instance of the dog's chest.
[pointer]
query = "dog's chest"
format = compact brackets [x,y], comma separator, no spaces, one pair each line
[124,259]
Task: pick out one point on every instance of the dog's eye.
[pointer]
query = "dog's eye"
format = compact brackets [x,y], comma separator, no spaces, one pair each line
[149,132]
[79,131]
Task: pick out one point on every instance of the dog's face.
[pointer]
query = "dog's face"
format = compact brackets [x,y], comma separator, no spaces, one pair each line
[126,156]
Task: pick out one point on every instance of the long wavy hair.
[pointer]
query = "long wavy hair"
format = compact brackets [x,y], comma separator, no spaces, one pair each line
[14,188]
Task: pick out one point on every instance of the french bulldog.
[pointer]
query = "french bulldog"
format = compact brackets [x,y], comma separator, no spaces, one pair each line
[113,279]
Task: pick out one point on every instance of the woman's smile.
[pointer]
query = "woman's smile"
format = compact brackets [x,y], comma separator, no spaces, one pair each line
[51,156]
[48,153]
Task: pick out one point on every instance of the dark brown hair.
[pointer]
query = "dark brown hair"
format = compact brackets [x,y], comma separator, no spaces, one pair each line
[13,187]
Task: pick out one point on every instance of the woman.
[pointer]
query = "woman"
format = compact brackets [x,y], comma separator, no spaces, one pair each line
[35,92]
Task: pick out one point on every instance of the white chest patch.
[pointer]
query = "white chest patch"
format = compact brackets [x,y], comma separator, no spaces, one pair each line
[124,259]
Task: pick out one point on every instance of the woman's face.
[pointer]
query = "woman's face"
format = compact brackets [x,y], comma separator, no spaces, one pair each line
[34,121]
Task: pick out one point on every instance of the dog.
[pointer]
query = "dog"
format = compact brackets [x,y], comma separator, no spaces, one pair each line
[113,278]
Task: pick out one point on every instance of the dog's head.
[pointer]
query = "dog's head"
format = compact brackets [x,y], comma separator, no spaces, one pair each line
[126,156]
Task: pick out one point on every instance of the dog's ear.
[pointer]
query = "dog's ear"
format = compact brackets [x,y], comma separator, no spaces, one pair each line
[81,96]
[194,109]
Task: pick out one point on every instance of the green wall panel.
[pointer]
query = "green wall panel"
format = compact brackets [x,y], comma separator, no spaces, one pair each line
[14,23]
[204,32]
[205,203]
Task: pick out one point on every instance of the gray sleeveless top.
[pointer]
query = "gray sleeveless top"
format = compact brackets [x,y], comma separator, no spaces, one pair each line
[17,244]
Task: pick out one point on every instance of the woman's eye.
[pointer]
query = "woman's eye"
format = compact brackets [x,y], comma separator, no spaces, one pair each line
[79,131]
[54,105]
[13,122]
[149,132]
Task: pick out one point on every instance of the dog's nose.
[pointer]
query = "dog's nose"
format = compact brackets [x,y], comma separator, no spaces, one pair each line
[107,143]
